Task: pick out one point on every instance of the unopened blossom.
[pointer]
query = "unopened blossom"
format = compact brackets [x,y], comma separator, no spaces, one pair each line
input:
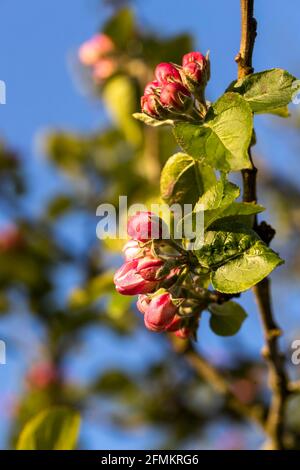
[167,73]
[144,226]
[132,250]
[104,69]
[95,48]
[152,87]
[175,96]
[138,276]
[150,105]
[160,312]
[143,302]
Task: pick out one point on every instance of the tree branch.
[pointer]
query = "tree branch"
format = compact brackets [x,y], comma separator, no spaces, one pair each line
[219,383]
[271,352]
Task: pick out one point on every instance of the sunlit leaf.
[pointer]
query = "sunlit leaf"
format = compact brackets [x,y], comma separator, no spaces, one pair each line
[56,428]
[223,139]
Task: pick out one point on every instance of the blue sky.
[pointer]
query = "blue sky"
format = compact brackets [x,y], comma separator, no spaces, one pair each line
[38,43]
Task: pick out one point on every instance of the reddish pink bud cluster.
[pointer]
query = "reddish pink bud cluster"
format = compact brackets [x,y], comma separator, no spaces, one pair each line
[42,375]
[144,226]
[97,53]
[195,71]
[166,94]
[140,274]
[161,314]
[171,91]
[10,238]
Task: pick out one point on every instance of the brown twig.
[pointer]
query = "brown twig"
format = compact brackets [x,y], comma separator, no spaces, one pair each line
[278,377]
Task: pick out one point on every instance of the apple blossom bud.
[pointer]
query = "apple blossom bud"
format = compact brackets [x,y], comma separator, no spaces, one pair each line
[92,50]
[160,312]
[194,57]
[138,276]
[10,238]
[175,97]
[149,267]
[104,69]
[175,324]
[150,105]
[151,87]
[42,375]
[193,71]
[132,250]
[142,303]
[144,226]
[167,73]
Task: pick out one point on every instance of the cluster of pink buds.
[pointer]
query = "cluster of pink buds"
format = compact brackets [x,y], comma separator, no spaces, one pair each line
[97,53]
[42,375]
[143,274]
[10,238]
[176,89]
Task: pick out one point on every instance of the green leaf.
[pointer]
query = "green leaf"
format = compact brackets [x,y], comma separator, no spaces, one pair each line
[246,270]
[120,97]
[223,139]
[218,196]
[225,241]
[242,208]
[218,203]
[215,200]
[267,92]
[183,179]
[151,121]
[56,428]
[121,27]
[236,255]
[226,319]
[281,112]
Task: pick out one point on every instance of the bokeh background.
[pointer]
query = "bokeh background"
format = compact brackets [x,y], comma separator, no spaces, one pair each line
[66,146]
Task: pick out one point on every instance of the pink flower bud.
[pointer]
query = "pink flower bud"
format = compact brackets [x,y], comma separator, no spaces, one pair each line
[160,312]
[177,327]
[151,87]
[142,303]
[92,50]
[104,69]
[137,276]
[10,238]
[42,374]
[150,105]
[175,324]
[148,268]
[132,250]
[175,96]
[194,57]
[167,73]
[144,226]
[193,71]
